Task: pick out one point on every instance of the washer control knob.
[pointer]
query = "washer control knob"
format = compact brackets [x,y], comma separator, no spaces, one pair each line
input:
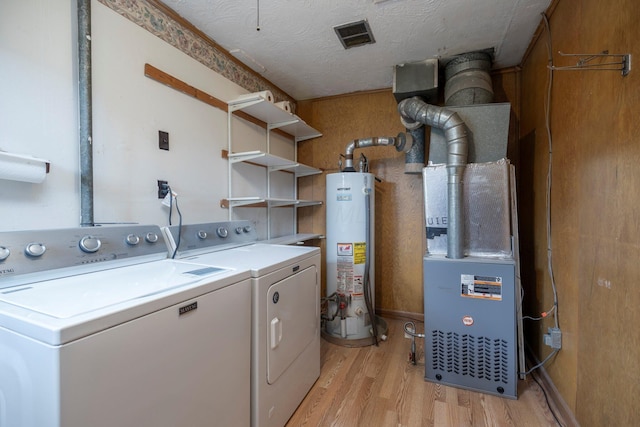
[4,253]
[132,240]
[202,234]
[90,244]
[238,230]
[247,228]
[35,249]
[151,237]
[222,232]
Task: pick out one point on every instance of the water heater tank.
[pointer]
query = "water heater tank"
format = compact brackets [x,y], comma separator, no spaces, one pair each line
[350,211]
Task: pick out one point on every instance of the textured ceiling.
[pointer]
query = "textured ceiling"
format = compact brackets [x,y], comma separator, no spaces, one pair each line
[297,48]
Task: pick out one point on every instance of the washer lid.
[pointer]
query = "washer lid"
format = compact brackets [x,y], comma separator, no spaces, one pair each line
[65,298]
[60,310]
[260,258]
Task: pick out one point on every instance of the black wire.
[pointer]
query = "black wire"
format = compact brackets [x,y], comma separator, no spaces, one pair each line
[546,398]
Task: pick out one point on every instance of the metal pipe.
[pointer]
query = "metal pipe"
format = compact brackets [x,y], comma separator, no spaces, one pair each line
[85,113]
[413,113]
[402,142]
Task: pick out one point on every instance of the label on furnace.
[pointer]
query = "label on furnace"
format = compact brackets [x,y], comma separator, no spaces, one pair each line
[485,287]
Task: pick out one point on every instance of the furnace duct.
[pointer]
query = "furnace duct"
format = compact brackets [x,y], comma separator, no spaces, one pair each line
[402,142]
[415,113]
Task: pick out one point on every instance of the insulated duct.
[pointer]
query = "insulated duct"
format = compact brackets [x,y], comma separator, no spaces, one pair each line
[402,142]
[414,113]
[414,159]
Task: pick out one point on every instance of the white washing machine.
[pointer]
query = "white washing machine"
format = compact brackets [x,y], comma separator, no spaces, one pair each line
[285,342]
[98,328]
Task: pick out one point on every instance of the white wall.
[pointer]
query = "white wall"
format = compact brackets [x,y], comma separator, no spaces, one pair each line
[38,111]
[38,116]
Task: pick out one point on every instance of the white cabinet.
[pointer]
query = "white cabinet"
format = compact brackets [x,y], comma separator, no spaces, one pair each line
[252,107]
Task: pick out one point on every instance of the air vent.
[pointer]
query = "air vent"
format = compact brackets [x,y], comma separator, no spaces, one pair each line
[354,34]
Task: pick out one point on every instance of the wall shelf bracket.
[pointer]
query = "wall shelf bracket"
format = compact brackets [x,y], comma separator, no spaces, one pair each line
[612,62]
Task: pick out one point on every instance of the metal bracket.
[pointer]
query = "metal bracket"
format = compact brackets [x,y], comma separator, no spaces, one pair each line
[623,65]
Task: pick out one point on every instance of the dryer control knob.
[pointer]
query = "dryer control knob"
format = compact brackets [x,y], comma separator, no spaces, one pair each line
[132,240]
[151,237]
[222,232]
[90,244]
[247,228]
[202,234]
[238,230]
[35,249]
[4,253]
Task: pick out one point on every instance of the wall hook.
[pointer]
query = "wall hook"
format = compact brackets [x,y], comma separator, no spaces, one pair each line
[584,62]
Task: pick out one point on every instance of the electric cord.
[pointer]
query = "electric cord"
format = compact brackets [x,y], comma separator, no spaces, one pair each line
[546,359]
[547,113]
[546,398]
[171,198]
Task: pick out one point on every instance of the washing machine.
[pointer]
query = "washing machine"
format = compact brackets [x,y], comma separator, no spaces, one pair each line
[285,339]
[98,328]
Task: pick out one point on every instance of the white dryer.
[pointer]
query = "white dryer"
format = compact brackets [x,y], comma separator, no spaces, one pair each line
[98,328]
[285,341]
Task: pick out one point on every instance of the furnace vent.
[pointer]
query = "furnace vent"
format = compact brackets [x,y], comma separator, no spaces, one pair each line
[354,34]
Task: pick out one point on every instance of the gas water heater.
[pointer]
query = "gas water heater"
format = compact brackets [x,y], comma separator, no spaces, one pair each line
[350,255]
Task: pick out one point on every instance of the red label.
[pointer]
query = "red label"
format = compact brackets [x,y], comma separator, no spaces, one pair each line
[467,320]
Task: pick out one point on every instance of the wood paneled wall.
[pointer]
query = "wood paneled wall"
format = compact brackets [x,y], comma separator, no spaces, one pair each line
[595,221]
[399,210]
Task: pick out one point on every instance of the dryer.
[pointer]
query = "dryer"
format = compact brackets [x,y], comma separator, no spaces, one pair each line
[98,328]
[285,338]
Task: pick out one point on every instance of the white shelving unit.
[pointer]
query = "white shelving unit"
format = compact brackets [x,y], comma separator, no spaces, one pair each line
[275,118]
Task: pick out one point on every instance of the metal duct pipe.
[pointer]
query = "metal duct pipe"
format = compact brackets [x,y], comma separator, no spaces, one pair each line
[413,113]
[85,113]
[402,142]
[414,159]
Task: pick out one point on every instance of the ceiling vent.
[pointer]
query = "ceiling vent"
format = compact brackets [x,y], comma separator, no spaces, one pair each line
[354,34]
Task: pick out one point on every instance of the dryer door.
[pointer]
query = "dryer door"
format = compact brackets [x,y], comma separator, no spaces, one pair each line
[292,320]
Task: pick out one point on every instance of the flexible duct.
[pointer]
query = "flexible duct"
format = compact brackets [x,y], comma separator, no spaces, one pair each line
[414,159]
[402,142]
[413,113]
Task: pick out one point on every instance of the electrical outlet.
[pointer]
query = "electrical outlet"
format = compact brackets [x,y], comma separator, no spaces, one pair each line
[554,338]
[163,189]
[163,140]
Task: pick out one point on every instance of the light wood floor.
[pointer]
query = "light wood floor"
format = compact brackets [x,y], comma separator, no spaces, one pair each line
[378,386]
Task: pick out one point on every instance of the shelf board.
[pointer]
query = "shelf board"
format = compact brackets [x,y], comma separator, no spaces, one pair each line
[274,116]
[272,162]
[292,239]
[300,130]
[263,202]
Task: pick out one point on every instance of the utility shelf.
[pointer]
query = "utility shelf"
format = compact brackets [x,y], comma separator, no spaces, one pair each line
[272,162]
[258,108]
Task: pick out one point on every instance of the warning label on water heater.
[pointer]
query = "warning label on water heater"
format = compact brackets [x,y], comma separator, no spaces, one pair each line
[485,287]
[359,253]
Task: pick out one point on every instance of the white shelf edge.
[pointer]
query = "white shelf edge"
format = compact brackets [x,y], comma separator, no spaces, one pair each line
[273,162]
[275,117]
[293,239]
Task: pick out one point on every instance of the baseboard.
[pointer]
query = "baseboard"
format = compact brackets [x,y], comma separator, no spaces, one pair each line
[401,315]
[556,401]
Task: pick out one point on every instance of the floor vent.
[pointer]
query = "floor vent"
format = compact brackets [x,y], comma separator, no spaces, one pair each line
[354,34]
